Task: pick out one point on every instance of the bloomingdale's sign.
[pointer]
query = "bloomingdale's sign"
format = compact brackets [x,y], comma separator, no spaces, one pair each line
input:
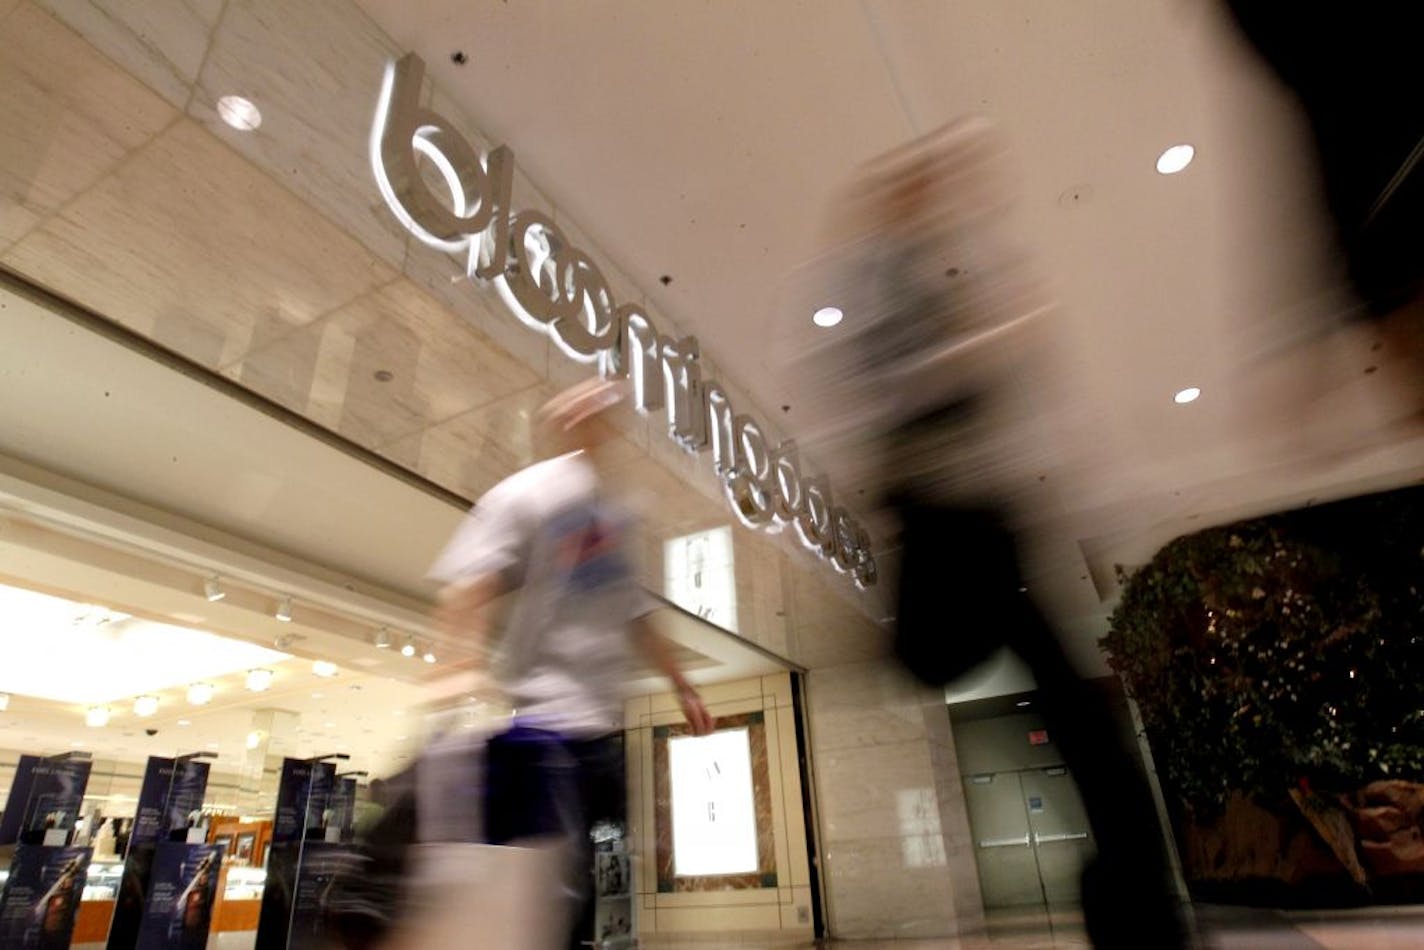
[557,289]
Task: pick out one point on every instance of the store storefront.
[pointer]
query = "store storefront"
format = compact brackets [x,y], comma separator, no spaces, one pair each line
[240,397]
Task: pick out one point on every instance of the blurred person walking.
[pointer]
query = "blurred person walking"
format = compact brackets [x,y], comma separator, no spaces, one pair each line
[553,536]
[930,376]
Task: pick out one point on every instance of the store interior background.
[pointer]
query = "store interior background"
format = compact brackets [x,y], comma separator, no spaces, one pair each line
[220,356]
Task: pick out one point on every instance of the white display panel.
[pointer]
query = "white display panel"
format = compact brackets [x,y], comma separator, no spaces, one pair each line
[713,808]
[699,575]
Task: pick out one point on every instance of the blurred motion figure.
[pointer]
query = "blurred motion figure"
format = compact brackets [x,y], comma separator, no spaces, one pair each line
[554,536]
[930,379]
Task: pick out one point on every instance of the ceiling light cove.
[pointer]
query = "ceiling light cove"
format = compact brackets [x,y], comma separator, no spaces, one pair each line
[1175,159]
[123,656]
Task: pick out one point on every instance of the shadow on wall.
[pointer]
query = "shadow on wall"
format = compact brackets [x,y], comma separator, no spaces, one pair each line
[1279,667]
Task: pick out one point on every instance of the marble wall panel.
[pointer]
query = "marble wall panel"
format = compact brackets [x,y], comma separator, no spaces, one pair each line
[890,808]
[443,276]
[64,127]
[470,453]
[190,245]
[314,69]
[872,893]
[395,359]
[159,42]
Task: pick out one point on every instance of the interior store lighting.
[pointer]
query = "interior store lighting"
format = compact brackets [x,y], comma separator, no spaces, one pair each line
[145,706]
[213,590]
[323,668]
[284,610]
[382,639]
[429,655]
[409,648]
[200,694]
[1184,396]
[827,316]
[4,701]
[97,716]
[259,680]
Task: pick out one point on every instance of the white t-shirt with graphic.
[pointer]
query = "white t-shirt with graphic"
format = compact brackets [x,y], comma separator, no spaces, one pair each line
[566,655]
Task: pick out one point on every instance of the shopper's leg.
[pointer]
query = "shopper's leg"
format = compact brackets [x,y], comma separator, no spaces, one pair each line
[602,793]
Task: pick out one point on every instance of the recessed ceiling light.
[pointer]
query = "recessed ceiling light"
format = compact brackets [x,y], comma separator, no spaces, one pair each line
[1187,395]
[1022,703]
[200,694]
[97,716]
[240,113]
[145,706]
[185,722]
[827,316]
[408,649]
[1175,159]
[259,680]
[4,701]
[323,668]
[429,655]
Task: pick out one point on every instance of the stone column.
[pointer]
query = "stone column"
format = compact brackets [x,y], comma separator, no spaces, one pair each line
[896,855]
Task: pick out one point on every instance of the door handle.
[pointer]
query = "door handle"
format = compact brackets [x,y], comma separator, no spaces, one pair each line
[1074,836]
[1021,842]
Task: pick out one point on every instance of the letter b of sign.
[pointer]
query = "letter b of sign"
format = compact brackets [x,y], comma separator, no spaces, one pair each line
[405,132]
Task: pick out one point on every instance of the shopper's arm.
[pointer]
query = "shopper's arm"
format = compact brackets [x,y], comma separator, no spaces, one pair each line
[658,651]
[461,612]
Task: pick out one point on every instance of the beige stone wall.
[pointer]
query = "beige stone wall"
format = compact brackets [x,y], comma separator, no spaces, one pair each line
[897,856]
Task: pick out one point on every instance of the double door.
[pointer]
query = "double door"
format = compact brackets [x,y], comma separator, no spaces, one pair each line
[1031,837]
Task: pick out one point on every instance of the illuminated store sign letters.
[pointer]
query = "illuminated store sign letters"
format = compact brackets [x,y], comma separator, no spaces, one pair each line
[556,288]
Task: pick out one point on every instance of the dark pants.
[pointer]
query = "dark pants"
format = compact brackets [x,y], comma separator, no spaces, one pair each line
[960,599]
[540,784]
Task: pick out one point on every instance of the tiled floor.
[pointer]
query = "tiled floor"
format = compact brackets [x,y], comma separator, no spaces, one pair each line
[1220,928]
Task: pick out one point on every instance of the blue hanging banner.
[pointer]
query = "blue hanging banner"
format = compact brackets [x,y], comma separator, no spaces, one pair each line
[303,809]
[41,897]
[171,795]
[182,890]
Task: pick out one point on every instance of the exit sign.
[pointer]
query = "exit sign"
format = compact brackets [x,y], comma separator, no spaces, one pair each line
[1038,737]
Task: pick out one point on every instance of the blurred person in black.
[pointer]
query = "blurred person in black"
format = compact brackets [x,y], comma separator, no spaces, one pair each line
[930,376]
[554,535]
[1354,70]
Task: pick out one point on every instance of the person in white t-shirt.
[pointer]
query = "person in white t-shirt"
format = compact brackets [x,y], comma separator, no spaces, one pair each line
[551,535]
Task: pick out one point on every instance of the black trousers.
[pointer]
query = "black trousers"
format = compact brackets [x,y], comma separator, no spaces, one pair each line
[541,784]
[960,599]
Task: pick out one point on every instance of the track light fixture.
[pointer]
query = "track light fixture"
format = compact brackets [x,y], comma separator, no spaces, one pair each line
[323,668]
[284,610]
[213,590]
[382,639]
[145,706]
[408,649]
[259,680]
[200,694]
[429,655]
[97,716]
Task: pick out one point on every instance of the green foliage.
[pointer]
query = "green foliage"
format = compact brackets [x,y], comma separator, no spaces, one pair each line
[1281,652]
